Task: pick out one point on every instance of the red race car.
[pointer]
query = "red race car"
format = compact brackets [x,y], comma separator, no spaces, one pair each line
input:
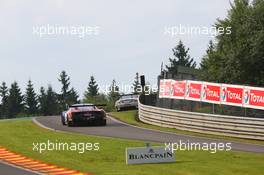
[84,114]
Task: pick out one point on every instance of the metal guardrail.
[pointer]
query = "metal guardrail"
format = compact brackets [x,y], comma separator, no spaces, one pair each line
[232,126]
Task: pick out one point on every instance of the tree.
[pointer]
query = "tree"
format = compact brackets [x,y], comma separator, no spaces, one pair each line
[15,100]
[73,97]
[238,57]
[4,100]
[92,89]
[68,96]
[31,103]
[136,84]
[51,102]
[210,65]
[65,92]
[42,98]
[181,58]
[48,101]
[113,94]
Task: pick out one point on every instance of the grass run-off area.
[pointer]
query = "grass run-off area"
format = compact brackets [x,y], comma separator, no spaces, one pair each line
[129,117]
[19,136]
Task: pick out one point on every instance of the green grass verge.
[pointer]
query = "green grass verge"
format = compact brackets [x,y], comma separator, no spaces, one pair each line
[129,117]
[19,135]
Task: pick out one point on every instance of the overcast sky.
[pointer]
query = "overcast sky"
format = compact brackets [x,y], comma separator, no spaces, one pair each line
[131,38]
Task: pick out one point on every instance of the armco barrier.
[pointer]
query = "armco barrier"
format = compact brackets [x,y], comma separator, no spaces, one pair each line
[241,127]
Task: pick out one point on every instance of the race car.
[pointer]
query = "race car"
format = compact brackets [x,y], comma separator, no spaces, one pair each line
[83,114]
[128,101]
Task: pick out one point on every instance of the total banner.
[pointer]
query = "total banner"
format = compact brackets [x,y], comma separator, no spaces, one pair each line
[193,90]
[227,94]
[211,92]
[253,97]
[165,88]
[178,89]
[232,95]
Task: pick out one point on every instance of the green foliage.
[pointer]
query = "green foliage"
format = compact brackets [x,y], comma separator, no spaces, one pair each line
[51,102]
[238,57]
[181,58]
[42,97]
[136,84]
[92,90]
[31,103]
[98,99]
[4,100]
[48,101]
[67,96]
[210,65]
[15,100]
[73,97]
[113,94]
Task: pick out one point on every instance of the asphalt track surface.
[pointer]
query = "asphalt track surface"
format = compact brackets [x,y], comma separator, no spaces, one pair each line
[6,169]
[117,129]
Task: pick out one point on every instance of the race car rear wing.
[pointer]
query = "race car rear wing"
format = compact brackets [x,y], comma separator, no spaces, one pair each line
[83,105]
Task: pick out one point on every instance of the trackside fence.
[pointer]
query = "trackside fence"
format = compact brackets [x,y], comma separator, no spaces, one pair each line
[233,126]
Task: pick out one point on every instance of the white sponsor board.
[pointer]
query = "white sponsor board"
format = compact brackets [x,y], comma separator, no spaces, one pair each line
[141,155]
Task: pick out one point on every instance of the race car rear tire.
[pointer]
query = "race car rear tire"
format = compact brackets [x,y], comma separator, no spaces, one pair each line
[70,123]
[103,123]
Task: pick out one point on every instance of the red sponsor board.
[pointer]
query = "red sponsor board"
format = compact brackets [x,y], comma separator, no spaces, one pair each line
[253,97]
[193,90]
[232,95]
[211,92]
[244,96]
[178,89]
[161,87]
[165,86]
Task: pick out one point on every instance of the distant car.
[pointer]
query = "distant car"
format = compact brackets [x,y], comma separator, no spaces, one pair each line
[127,102]
[83,114]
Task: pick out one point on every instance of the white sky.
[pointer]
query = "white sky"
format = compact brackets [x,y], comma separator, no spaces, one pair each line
[131,38]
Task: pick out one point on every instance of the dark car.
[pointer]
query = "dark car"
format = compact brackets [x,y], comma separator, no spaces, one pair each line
[84,114]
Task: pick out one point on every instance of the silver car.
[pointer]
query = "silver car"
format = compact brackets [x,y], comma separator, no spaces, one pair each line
[127,102]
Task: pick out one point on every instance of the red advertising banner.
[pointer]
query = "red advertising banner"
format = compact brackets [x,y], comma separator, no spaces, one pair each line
[161,89]
[193,90]
[211,92]
[178,89]
[232,95]
[165,88]
[253,97]
[243,96]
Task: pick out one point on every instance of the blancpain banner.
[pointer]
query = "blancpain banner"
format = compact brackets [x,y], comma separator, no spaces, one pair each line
[141,155]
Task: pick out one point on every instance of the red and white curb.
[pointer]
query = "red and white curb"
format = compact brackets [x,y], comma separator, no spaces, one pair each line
[39,167]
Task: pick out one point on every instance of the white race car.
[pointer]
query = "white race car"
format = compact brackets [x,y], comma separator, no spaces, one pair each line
[129,101]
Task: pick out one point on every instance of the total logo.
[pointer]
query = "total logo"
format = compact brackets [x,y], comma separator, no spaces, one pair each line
[204,92]
[231,95]
[224,94]
[246,96]
[171,90]
[188,90]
